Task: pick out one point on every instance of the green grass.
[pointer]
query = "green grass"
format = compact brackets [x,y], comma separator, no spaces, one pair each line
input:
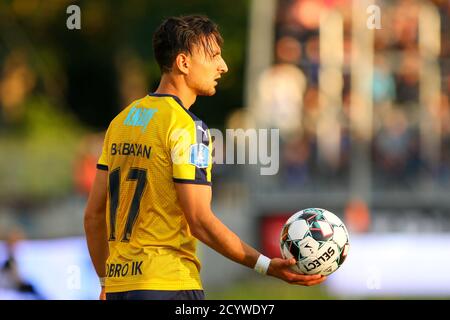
[267,288]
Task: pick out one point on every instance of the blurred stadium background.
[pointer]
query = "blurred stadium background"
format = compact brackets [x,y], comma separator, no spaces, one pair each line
[364,123]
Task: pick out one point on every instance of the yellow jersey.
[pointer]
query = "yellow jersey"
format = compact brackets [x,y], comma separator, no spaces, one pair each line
[149,146]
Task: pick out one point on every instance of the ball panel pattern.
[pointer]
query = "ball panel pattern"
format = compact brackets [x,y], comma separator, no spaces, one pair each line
[317,239]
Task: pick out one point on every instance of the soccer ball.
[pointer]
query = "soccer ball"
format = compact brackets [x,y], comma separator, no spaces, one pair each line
[317,239]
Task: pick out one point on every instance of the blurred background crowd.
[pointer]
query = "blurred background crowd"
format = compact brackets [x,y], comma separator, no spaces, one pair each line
[402,51]
[358,89]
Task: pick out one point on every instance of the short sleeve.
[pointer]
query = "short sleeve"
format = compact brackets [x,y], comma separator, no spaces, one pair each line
[102,162]
[191,154]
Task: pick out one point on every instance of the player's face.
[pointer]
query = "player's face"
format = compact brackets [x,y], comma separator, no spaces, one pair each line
[207,66]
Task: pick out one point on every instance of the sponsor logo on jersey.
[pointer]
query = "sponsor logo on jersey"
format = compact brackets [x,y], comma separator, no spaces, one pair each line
[139,117]
[199,155]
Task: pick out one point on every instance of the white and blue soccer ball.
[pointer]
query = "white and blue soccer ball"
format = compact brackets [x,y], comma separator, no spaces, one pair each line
[317,239]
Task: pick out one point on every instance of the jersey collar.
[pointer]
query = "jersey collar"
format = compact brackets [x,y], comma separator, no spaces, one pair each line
[178,100]
[167,95]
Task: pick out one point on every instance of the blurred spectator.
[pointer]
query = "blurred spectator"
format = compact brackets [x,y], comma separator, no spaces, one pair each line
[333,165]
[288,50]
[407,80]
[280,89]
[395,149]
[280,99]
[312,60]
[405,24]
[383,81]
[307,13]
[311,110]
[295,161]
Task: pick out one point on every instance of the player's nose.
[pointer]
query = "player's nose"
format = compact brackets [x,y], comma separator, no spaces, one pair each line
[223,68]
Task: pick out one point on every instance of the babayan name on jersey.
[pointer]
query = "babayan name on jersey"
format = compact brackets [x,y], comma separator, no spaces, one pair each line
[130,149]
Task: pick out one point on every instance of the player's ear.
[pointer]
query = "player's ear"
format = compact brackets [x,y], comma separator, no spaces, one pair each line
[182,61]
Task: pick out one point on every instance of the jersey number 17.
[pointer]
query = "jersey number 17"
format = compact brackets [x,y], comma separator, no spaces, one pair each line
[135,174]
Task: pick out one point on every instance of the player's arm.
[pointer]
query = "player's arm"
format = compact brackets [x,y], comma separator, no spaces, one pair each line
[95,223]
[195,201]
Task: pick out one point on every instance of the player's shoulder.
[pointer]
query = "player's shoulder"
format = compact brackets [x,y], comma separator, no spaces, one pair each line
[118,119]
[165,108]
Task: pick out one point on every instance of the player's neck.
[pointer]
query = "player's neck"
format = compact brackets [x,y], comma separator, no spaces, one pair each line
[169,85]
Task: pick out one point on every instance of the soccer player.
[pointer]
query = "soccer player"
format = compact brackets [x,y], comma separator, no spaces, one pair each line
[151,197]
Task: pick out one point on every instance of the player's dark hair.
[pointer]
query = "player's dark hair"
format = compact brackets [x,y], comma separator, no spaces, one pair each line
[177,35]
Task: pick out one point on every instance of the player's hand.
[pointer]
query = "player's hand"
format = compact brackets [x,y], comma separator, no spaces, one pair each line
[281,268]
[102,294]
